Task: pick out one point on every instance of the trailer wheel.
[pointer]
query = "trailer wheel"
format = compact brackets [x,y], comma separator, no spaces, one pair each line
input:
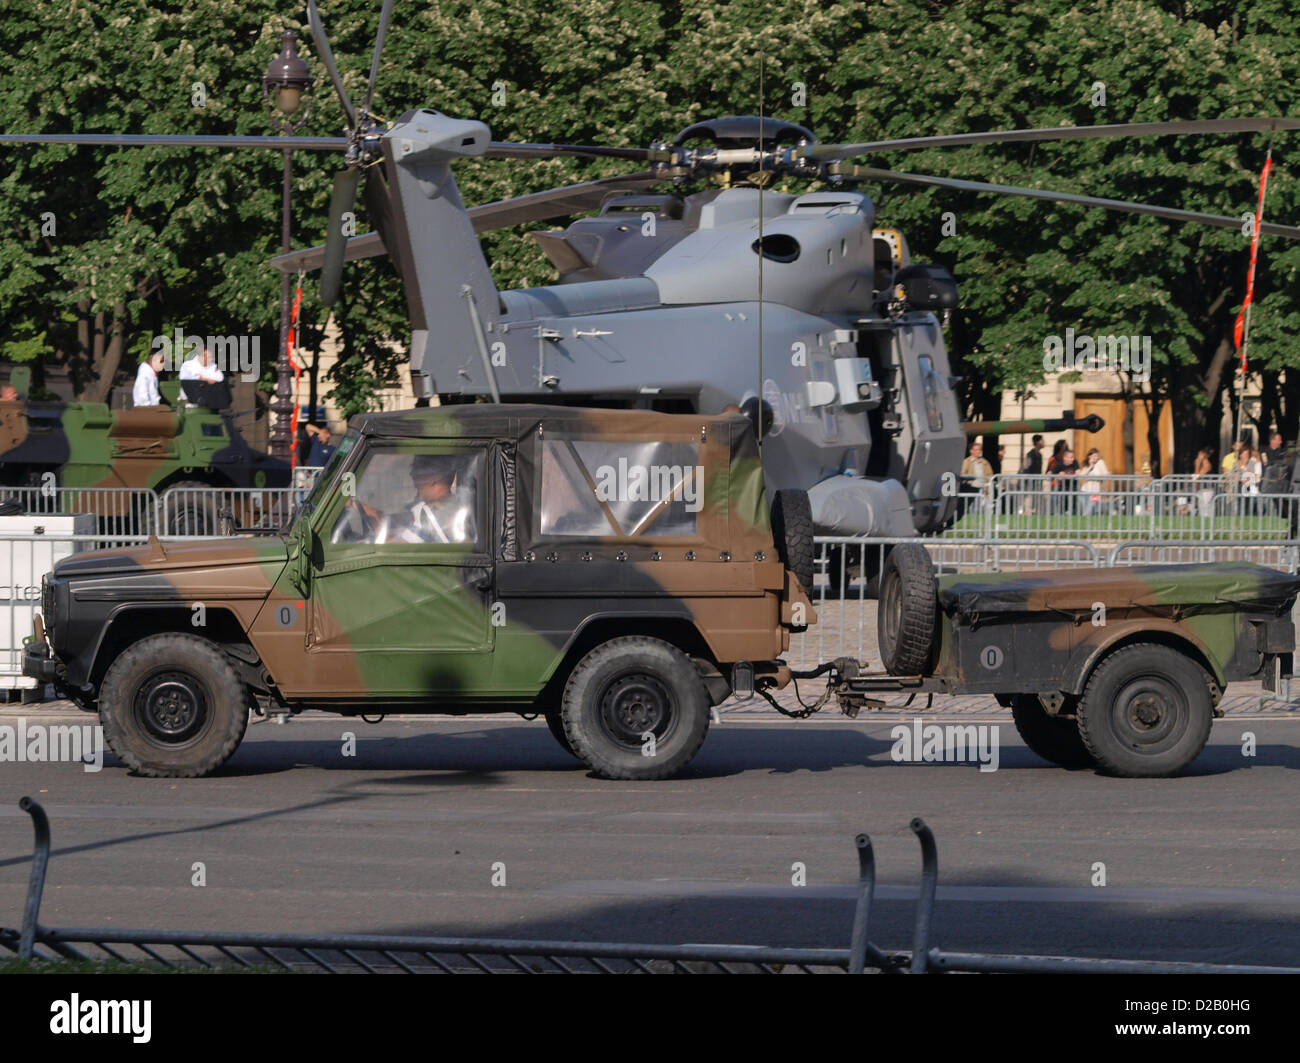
[1054,738]
[907,618]
[173,707]
[792,529]
[636,708]
[1146,711]
[555,722]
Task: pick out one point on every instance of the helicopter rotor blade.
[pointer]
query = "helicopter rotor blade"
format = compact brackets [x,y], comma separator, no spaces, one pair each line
[384,16]
[488,217]
[327,57]
[1170,213]
[177,140]
[555,202]
[832,152]
[504,149]
[343,198]
[367,245]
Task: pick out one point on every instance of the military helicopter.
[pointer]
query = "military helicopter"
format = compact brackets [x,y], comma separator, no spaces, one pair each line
[798,309]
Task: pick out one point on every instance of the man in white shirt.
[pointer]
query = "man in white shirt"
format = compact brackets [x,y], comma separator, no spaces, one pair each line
[203,382]
[145,392]
[202,367]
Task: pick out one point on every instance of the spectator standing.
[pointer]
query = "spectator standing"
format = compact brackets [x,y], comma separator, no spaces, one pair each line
[1064,482]
[1203,470]
[976,466]
[1094,468]
[1249,469]
[1231,458]
[1277,470]
[1032,466]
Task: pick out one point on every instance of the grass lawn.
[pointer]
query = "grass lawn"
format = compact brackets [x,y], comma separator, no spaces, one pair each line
[1123,526]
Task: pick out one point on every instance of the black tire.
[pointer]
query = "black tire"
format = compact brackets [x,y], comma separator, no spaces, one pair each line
[629,687]
[1054,738]
[193,515]
[792,529]
[555,723]
[172,706]
[1146,711]
[907,619]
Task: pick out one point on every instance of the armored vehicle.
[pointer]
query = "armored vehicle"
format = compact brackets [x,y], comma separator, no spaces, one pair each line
[163,448]
[614,571]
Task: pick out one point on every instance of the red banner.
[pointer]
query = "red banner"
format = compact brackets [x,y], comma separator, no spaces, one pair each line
[1238,330]
[297,374]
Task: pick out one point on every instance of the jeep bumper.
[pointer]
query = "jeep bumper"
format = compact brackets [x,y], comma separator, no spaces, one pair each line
[39,663]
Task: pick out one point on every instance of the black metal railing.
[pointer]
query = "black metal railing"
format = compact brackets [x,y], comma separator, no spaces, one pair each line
[384,954]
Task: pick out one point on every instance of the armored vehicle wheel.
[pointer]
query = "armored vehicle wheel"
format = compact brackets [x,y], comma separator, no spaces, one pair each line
[908,614]
[845,564]
[173,707]
[636,708]
[792,528]
[1054,738]
[555,722]
[1146,711]
[190,513]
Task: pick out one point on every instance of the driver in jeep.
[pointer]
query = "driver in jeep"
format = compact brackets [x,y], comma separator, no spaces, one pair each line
[441,512]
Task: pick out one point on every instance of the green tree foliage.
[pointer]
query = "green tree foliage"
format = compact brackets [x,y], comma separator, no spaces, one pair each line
[151,239]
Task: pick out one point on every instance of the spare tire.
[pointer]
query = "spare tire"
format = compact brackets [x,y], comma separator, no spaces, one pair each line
[907,619]
[792,528]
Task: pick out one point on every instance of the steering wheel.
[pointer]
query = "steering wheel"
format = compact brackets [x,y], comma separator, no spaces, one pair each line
[354,525]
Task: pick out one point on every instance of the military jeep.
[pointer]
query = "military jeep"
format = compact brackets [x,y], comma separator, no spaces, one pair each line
[613,571]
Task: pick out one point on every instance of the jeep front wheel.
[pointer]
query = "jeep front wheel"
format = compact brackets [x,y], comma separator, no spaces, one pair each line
[172,706]
[635,708]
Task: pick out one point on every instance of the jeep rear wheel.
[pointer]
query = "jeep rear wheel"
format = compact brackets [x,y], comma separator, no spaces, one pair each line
[635,708]
[172,706]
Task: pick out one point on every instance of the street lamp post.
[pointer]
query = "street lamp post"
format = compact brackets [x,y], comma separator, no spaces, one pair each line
[283,86]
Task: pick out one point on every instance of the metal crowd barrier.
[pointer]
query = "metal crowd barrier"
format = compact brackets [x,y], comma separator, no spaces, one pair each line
[1124,507]
[131,511]
[385,954]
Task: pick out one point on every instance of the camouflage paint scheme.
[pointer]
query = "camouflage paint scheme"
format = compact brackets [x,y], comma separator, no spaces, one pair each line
[88,445]
[1043,631]
[348,625]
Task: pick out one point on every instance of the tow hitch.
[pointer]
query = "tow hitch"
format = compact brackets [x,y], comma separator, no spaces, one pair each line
[851,686]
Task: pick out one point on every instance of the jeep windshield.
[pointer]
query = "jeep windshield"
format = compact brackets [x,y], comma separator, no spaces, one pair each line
[323,481]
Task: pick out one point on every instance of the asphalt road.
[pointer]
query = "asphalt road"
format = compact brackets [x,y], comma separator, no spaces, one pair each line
[403,838]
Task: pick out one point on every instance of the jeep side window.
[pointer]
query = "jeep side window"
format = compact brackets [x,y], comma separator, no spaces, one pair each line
[413,497]
[619,488]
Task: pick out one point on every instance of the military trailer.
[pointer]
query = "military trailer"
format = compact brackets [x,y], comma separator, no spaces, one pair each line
[1122,668]
[613,571]
[162,448]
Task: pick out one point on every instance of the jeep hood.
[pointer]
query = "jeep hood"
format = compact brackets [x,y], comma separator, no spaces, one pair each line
[217,568]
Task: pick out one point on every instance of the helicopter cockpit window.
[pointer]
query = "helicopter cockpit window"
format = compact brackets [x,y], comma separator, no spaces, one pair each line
[934,386]
[597,488]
